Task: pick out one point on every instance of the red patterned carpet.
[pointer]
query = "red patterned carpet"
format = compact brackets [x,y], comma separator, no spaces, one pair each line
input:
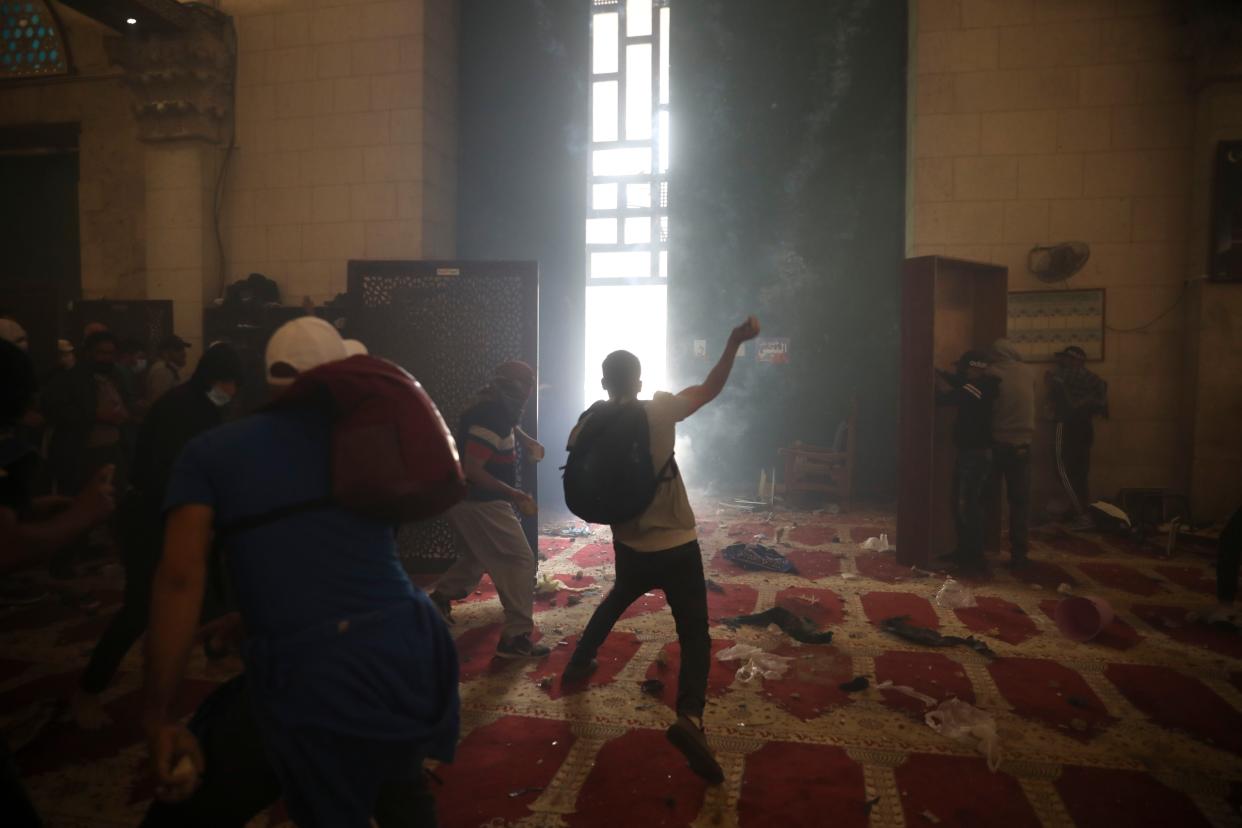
[1141,727]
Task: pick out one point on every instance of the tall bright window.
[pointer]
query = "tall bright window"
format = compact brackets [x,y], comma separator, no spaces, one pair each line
[627,198]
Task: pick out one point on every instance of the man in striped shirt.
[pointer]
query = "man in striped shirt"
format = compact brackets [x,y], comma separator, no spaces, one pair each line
[491,534]
[972,391]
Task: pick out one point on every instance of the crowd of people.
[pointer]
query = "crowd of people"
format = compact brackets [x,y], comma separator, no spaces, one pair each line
[996,396]
[232,534]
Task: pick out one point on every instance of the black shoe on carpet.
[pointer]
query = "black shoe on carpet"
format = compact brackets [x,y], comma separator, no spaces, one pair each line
[576,673]
[688,738]
[520,646]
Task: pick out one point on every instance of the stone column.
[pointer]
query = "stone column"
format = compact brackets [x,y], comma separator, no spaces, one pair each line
[182,87]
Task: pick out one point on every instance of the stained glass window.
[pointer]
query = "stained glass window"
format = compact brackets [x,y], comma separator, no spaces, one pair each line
[31,44]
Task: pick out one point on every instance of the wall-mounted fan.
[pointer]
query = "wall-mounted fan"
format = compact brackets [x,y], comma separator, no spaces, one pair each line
[1057,262]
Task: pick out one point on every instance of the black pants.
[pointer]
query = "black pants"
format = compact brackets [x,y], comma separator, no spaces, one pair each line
[679,573]
[141,533]
[15,804]
[1228,559]
[1012,465]
[1073,445]
[240,783]
[970,479]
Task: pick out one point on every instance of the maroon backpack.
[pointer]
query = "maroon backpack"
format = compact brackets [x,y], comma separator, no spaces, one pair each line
[393,457]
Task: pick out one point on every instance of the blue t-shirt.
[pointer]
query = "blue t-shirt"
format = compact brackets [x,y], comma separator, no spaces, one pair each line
[317,566]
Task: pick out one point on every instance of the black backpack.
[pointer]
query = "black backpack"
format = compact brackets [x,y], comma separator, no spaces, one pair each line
[609,477]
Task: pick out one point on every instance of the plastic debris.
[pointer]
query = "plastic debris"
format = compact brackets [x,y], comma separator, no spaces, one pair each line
[952,595]
[855,685]
[849,576]
[901,627]
[757,557]
[755,662]
[964,722]
[1065,589]
[879,544]
[927,701]
[795,626]
[930,817]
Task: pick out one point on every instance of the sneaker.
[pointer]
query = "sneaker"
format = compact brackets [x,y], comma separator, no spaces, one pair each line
[688,738]
[578,672]
[444,605]
[520,646]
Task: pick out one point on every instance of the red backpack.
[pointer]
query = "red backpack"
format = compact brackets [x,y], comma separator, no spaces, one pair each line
[393,457]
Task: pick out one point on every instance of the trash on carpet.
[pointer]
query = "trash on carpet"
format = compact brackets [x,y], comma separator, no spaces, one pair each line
[869,804]
[855,685]
[964,722]
[795,626]
[952,595]
[755,662]
[1065,589]
[712,586]
[927,701]
[879,544]
[652,687]
[901,627]
[547,585]
[514,794]
[757,557]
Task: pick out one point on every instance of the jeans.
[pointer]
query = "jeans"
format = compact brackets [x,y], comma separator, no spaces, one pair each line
[679,573]
[240,782]
[1012,464]
[970,478]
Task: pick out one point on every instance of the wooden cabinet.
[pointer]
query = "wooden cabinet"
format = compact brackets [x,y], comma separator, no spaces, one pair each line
[947,307]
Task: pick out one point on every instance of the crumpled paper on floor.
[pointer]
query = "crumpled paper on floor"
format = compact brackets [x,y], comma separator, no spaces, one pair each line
[756,663]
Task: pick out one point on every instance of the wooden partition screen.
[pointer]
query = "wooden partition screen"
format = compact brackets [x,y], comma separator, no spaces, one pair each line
[450,324]
[947,307]
[146,320]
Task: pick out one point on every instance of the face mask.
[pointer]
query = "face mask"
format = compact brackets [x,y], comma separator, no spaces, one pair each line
[140,365]
[218,397]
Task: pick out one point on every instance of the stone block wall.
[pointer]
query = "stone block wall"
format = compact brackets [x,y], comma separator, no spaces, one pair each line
[345,138]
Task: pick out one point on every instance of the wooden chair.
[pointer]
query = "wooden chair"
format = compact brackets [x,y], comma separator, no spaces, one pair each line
[818,470]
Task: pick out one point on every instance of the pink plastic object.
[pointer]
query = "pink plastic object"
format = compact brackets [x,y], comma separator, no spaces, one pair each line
[1082,618]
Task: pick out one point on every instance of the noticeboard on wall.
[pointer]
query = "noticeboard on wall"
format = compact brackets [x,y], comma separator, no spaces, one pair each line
[1042,322]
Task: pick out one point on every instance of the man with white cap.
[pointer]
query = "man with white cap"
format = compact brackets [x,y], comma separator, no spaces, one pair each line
[350,673]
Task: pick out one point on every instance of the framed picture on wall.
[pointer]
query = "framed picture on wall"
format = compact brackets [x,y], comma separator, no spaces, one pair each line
[1042,322]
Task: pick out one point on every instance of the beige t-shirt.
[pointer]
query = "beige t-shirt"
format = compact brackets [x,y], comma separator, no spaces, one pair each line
[669,520]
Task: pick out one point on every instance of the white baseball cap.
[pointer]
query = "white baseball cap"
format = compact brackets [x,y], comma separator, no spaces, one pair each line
[356,348]
[300,345]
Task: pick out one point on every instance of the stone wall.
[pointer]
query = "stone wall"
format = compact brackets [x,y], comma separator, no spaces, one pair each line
[1039,121]
[345,137]
[110,159]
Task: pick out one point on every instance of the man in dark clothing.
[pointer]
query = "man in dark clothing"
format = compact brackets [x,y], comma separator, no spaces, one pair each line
[177,417]
[89,411]
[973,392]
[1078,396]
[490,532]
[32,527]
[1229,555]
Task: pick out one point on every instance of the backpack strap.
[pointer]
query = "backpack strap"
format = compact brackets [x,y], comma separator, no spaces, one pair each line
[272,515]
